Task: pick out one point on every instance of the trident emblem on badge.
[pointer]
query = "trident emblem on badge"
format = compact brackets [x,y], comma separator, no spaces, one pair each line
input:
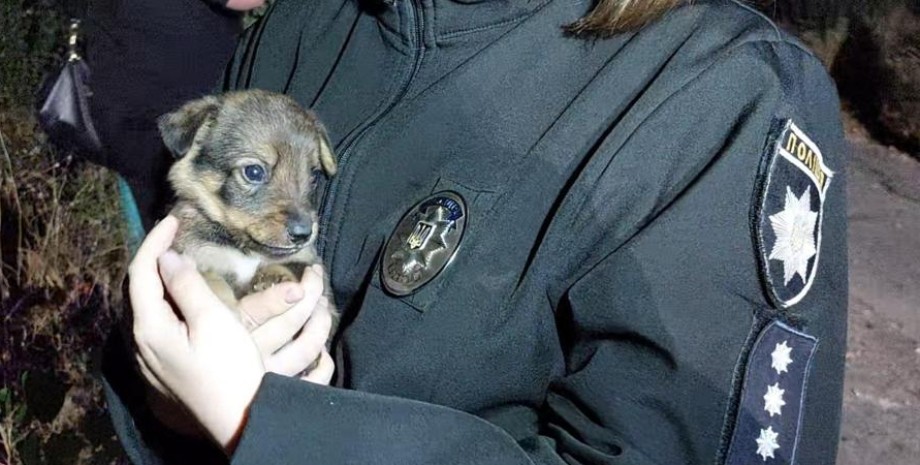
[420,235]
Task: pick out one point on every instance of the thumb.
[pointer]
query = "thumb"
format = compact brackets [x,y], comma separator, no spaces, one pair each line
[188,289]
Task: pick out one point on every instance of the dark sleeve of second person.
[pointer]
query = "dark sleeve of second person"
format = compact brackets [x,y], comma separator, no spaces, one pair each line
[676,331]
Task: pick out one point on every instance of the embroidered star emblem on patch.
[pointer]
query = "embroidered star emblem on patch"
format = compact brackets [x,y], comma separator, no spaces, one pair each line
[766,443]
[795,235]
[773,400]
[789,211]
[781,357]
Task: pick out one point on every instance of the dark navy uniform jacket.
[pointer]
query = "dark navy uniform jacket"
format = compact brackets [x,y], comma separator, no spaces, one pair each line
[619,293]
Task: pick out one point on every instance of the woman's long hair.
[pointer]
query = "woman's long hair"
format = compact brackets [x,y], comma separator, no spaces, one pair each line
[613,16]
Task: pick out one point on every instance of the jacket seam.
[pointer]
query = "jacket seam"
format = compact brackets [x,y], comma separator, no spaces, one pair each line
[721,59]
[524,15]
[776,30]
[778,35]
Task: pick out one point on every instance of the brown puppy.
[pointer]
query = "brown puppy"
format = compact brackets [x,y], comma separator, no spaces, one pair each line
[247,164]
[244,177]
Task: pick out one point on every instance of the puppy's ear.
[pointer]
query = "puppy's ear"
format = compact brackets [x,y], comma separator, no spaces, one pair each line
[326,157]
[178,129]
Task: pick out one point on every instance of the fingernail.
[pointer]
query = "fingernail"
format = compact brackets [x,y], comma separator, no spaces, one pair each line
[169,262]
[293,295]
[318,269]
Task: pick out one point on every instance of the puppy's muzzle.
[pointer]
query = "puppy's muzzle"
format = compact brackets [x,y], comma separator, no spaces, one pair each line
[299,228]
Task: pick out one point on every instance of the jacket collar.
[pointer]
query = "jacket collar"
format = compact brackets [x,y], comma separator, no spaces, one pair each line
[434,21]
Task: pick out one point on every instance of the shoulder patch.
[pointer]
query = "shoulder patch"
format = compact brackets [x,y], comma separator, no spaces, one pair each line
[789,209]
[770,411]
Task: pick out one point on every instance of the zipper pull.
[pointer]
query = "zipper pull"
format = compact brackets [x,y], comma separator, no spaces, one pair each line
[73,38]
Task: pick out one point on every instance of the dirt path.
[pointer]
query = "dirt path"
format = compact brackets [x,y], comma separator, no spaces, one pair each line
[881,424]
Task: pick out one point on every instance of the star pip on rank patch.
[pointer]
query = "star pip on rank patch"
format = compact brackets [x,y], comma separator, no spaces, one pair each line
[769,414]
[789,213]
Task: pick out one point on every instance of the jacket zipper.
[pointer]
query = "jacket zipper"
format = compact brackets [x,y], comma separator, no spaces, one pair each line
[345,152]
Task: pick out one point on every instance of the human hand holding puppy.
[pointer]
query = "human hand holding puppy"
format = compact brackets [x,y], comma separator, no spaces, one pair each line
[197,352]
[290,323]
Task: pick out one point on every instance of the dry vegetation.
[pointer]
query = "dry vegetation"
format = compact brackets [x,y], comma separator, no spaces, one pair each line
[63,259]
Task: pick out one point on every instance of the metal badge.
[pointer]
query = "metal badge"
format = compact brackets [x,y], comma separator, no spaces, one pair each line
[424,242]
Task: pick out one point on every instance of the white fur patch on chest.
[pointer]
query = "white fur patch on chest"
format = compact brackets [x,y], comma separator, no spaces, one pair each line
[226,262]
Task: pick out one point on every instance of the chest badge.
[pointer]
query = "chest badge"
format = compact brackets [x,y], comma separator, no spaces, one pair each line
[423,243]
[789,213]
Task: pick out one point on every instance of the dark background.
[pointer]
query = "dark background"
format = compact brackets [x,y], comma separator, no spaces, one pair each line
[63,252]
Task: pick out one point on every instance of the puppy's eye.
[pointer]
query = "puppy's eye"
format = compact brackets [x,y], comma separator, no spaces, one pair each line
[314,176]
[254,173]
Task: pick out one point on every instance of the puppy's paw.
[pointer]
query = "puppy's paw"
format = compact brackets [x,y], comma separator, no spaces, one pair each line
[221,288]
[270,275]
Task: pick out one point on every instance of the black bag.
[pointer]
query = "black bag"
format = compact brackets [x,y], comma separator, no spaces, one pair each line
[64,113]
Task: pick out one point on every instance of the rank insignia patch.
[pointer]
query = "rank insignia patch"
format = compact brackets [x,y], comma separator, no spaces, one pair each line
[424,242]
[769,414]
[789,213]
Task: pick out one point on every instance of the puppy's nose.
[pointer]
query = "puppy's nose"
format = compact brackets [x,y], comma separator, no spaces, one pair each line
[299,228]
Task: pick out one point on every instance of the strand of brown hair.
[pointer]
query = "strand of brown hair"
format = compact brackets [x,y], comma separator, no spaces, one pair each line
[611,17]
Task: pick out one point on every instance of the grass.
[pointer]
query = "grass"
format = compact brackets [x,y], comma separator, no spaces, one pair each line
[32,38]
[62,260]
[60,214]
[12,415]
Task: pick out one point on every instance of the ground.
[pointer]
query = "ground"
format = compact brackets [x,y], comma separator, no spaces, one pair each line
[881,423]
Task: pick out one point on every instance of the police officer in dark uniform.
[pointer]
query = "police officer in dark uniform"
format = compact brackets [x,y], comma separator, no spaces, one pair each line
[628,249]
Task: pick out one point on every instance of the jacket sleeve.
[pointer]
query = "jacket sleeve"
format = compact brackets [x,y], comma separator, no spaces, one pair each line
[659,306]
